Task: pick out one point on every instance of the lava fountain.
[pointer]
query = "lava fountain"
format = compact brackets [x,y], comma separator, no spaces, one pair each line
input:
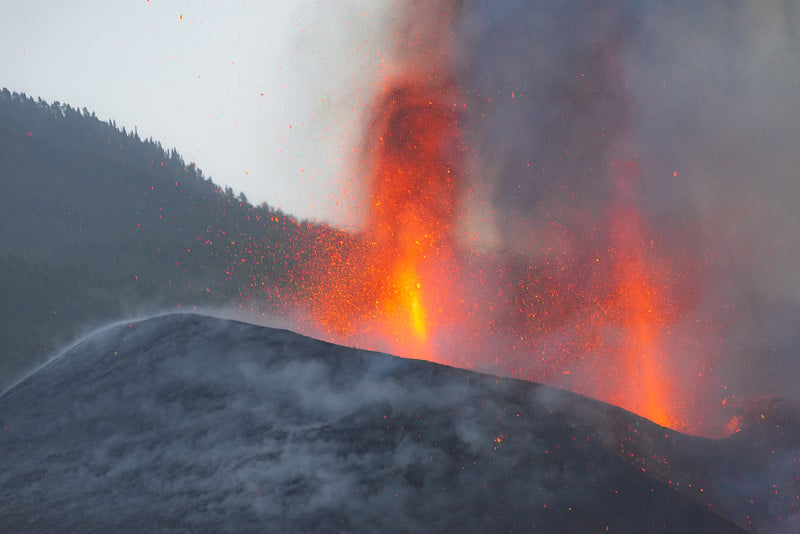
[395,282]
[639,304]
[406,285]
[401,285]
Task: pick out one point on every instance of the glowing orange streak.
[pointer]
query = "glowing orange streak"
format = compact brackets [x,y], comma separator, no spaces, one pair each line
[639,306]
[386,284]
[413,204]
[646,387]
[405,313]
[411,301]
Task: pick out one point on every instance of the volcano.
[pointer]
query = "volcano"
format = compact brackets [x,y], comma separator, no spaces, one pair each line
[192,423]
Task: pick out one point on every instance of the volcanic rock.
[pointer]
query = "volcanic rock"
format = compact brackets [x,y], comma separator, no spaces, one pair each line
[185,423]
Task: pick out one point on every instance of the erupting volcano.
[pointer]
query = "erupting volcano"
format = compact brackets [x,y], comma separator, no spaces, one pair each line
[565,232]
[594,321]
[397,282]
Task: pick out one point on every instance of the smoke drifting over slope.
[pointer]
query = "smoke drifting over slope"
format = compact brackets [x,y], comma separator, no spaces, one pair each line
[190,423]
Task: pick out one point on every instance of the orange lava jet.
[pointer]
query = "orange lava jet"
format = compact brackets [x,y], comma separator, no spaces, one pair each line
[414,201]
[599,322]
[395,281]
[639,305]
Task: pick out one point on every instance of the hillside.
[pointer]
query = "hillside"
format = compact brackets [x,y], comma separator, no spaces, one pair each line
[99,223]
[188,423]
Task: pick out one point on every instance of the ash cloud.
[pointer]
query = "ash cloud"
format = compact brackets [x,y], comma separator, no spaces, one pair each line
[705,99]
[545,107]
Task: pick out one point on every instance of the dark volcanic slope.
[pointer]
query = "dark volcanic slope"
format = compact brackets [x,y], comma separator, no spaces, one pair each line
[187,423]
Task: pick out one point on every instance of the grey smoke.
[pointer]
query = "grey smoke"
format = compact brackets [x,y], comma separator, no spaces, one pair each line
[705,98]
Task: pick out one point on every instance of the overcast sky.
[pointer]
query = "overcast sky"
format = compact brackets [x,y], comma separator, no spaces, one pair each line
[263,96]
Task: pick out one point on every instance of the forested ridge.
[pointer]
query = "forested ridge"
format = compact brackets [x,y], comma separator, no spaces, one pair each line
[99,224]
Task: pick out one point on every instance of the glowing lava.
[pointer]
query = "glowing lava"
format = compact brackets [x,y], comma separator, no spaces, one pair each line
[639,306]
[396,283]
[399,286]
[645,382]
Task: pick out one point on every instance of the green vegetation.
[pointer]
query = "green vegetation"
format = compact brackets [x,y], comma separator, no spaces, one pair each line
[98,224]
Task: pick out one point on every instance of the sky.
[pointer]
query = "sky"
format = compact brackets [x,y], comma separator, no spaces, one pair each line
[264,97]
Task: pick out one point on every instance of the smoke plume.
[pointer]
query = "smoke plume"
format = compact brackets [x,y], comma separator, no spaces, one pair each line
[705,100]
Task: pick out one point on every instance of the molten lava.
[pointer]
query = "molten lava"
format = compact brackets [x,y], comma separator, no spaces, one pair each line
[396,282]
[639,306]
[600,320]
[413,201]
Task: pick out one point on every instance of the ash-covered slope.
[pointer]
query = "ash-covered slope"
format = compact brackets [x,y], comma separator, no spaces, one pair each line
[189,423]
